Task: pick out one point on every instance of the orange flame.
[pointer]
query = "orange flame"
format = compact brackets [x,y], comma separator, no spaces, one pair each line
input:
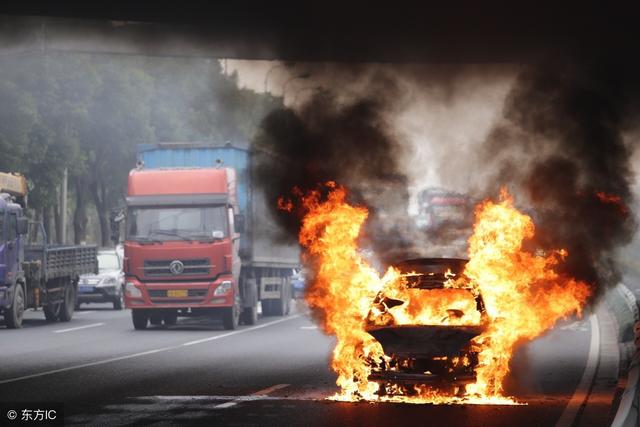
[285,204]
[523,295]
[344,287]
[613,200]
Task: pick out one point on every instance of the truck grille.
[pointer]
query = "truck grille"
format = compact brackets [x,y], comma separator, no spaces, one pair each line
[192,267]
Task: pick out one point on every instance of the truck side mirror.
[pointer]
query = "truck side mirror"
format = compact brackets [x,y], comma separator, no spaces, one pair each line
[23,225]
[238,222]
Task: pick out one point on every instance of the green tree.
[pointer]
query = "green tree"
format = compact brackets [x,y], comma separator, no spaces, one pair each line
[88,112]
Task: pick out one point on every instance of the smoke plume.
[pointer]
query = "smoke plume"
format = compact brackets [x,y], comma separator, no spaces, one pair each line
[350,142]
[560,146]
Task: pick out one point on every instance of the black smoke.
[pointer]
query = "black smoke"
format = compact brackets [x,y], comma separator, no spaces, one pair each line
[561,145]
[348,142]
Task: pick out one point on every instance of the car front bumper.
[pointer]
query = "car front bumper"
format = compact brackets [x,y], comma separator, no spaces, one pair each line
[98,294]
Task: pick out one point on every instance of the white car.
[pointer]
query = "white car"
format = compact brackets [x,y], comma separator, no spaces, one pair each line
[107,285]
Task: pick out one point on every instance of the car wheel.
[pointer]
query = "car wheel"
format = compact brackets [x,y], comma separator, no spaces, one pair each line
[118,304]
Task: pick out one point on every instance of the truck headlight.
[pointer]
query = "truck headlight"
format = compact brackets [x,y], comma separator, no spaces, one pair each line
[223,288]
[132,290]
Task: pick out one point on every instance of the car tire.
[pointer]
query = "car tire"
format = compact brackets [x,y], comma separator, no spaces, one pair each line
[13,315]
[68,303]
[140,319]
[118,304]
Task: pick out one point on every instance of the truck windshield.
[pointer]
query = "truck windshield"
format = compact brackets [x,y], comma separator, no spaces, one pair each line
[177,223]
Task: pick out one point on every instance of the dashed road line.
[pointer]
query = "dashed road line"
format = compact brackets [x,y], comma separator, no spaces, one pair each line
[261,393]
[77,328]
[144,353]
[241,331]
[308,327]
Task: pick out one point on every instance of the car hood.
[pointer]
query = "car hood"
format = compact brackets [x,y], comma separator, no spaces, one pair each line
[424,340]
[102,275]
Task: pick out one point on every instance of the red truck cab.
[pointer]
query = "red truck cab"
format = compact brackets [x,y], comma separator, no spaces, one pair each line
[181,245]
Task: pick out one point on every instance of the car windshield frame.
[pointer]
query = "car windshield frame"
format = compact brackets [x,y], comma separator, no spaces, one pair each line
[177,223]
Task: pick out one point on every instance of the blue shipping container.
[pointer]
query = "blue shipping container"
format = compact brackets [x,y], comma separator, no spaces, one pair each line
[156,156]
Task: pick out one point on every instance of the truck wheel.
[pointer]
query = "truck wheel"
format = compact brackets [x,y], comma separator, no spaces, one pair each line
[231,317]
[13,315]
[140,319]
[118,303]
[250,315]
[68,304]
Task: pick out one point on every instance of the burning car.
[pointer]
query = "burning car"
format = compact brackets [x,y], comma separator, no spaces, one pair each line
[426,325]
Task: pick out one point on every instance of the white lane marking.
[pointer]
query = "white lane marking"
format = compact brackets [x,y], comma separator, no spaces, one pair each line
[241,331]
[246,398]
[131,356]
[262,393]
[308,327]
[629,397]
[575,326]
[93,325]
[226,405]
[266,391]
[80,313]
[86,365]
[582,391]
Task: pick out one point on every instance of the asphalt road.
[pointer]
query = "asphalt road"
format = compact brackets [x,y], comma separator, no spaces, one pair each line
[275,373]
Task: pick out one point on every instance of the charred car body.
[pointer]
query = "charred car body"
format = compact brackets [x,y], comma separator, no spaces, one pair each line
[438,351]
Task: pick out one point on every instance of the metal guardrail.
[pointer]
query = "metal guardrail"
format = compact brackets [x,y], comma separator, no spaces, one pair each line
[628,409]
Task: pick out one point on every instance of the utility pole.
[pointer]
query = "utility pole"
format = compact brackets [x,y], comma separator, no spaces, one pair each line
[63,207]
